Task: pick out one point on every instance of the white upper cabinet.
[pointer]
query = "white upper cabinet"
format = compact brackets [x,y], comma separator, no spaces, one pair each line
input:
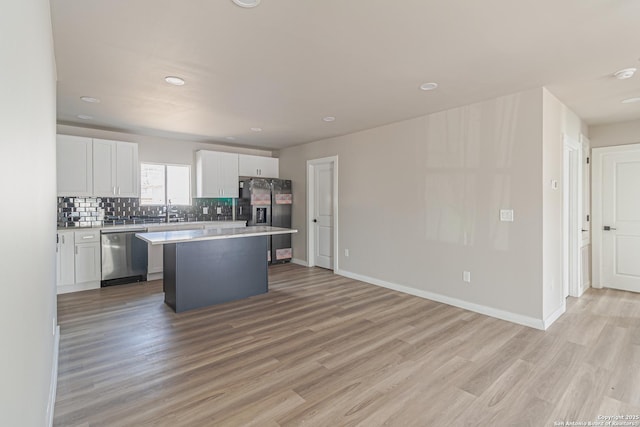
[216,174]
[115,168]
[104,168]
[266,167]
[127,169]
[74,164]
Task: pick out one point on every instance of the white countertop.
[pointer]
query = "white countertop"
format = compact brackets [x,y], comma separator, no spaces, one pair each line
[161,225]
[164,237]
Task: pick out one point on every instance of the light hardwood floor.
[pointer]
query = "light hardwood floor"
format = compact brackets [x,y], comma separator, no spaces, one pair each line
[323,350]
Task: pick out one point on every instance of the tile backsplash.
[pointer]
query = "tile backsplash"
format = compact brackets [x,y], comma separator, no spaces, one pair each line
[98,211]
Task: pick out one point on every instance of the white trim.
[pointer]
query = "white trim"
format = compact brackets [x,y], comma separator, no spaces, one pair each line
[54,378]
[85,286]
[572,186]
[597,159]
[584,288]
[586,189]
[482,309]
[310,200]
[299,262]
[155,276]
[555,315]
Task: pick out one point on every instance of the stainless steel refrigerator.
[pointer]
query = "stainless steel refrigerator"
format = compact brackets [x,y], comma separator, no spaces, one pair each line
[268,201]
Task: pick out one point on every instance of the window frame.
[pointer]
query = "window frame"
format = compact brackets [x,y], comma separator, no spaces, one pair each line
[166,177]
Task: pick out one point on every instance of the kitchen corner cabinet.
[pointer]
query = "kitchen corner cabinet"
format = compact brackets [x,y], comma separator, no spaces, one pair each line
[78,260]
[74,156]
[216,174]
[264,167]
[115,169]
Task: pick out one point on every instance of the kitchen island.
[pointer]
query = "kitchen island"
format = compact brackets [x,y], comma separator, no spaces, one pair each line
[207,267]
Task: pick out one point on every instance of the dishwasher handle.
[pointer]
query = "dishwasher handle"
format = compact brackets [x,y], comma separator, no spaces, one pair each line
[126,230]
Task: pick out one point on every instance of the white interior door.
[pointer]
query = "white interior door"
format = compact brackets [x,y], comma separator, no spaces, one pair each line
[619,231]
[323,215]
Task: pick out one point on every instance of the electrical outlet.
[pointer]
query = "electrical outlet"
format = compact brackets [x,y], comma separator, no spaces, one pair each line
[219,210]
[466,276]
[205,210]
[346,252]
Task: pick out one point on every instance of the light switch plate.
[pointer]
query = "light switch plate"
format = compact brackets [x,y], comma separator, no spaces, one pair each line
[205,210]
[219,210]
[506,215]
[466,276]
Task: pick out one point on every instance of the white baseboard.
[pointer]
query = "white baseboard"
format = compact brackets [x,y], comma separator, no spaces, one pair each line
[482,309]
[54,378]
[584,288]
[154,276]
[299,262]
[63,289]
[555,315]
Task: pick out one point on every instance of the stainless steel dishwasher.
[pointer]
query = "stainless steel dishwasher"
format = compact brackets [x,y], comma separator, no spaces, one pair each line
[124,257]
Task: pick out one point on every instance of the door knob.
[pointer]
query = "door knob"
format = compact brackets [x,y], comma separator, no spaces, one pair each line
[315,220]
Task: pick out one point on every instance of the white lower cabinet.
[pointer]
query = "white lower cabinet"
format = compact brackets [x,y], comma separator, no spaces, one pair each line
[66,259]
[78,260]
[87,262]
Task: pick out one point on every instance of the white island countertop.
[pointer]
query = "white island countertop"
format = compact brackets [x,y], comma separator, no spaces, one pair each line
[182,236]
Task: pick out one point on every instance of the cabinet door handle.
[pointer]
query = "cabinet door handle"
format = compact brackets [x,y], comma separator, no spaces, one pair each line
[114,191]
[63,239]
[88,237]
[118,191]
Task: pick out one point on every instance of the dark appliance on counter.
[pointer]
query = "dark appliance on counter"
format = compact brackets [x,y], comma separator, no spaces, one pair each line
[124,257]
[267,201]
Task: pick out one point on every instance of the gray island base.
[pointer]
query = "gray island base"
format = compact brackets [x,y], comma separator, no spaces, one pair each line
[208,267]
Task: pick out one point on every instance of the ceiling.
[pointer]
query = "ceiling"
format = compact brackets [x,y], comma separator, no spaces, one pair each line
[286,64]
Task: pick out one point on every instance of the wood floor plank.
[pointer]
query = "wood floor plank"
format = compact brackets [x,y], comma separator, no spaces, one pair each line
[324,350]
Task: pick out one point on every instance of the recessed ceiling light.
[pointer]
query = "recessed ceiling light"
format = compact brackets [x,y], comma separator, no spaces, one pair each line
[230,138]
[84,117]
[247,3]
[173,80]
[90,99]
[329,119]
[627,73]
[256,129]
[428,86]
[631,100]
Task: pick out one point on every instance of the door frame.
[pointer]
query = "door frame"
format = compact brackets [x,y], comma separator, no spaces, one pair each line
[597,156]
[571,216]
[311,251]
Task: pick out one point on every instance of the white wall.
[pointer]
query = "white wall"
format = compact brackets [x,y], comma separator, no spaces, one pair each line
[27,222]
[419,202]
[615,134]
[161,150]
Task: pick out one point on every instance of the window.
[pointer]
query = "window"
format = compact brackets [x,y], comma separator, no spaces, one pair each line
[165,183]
